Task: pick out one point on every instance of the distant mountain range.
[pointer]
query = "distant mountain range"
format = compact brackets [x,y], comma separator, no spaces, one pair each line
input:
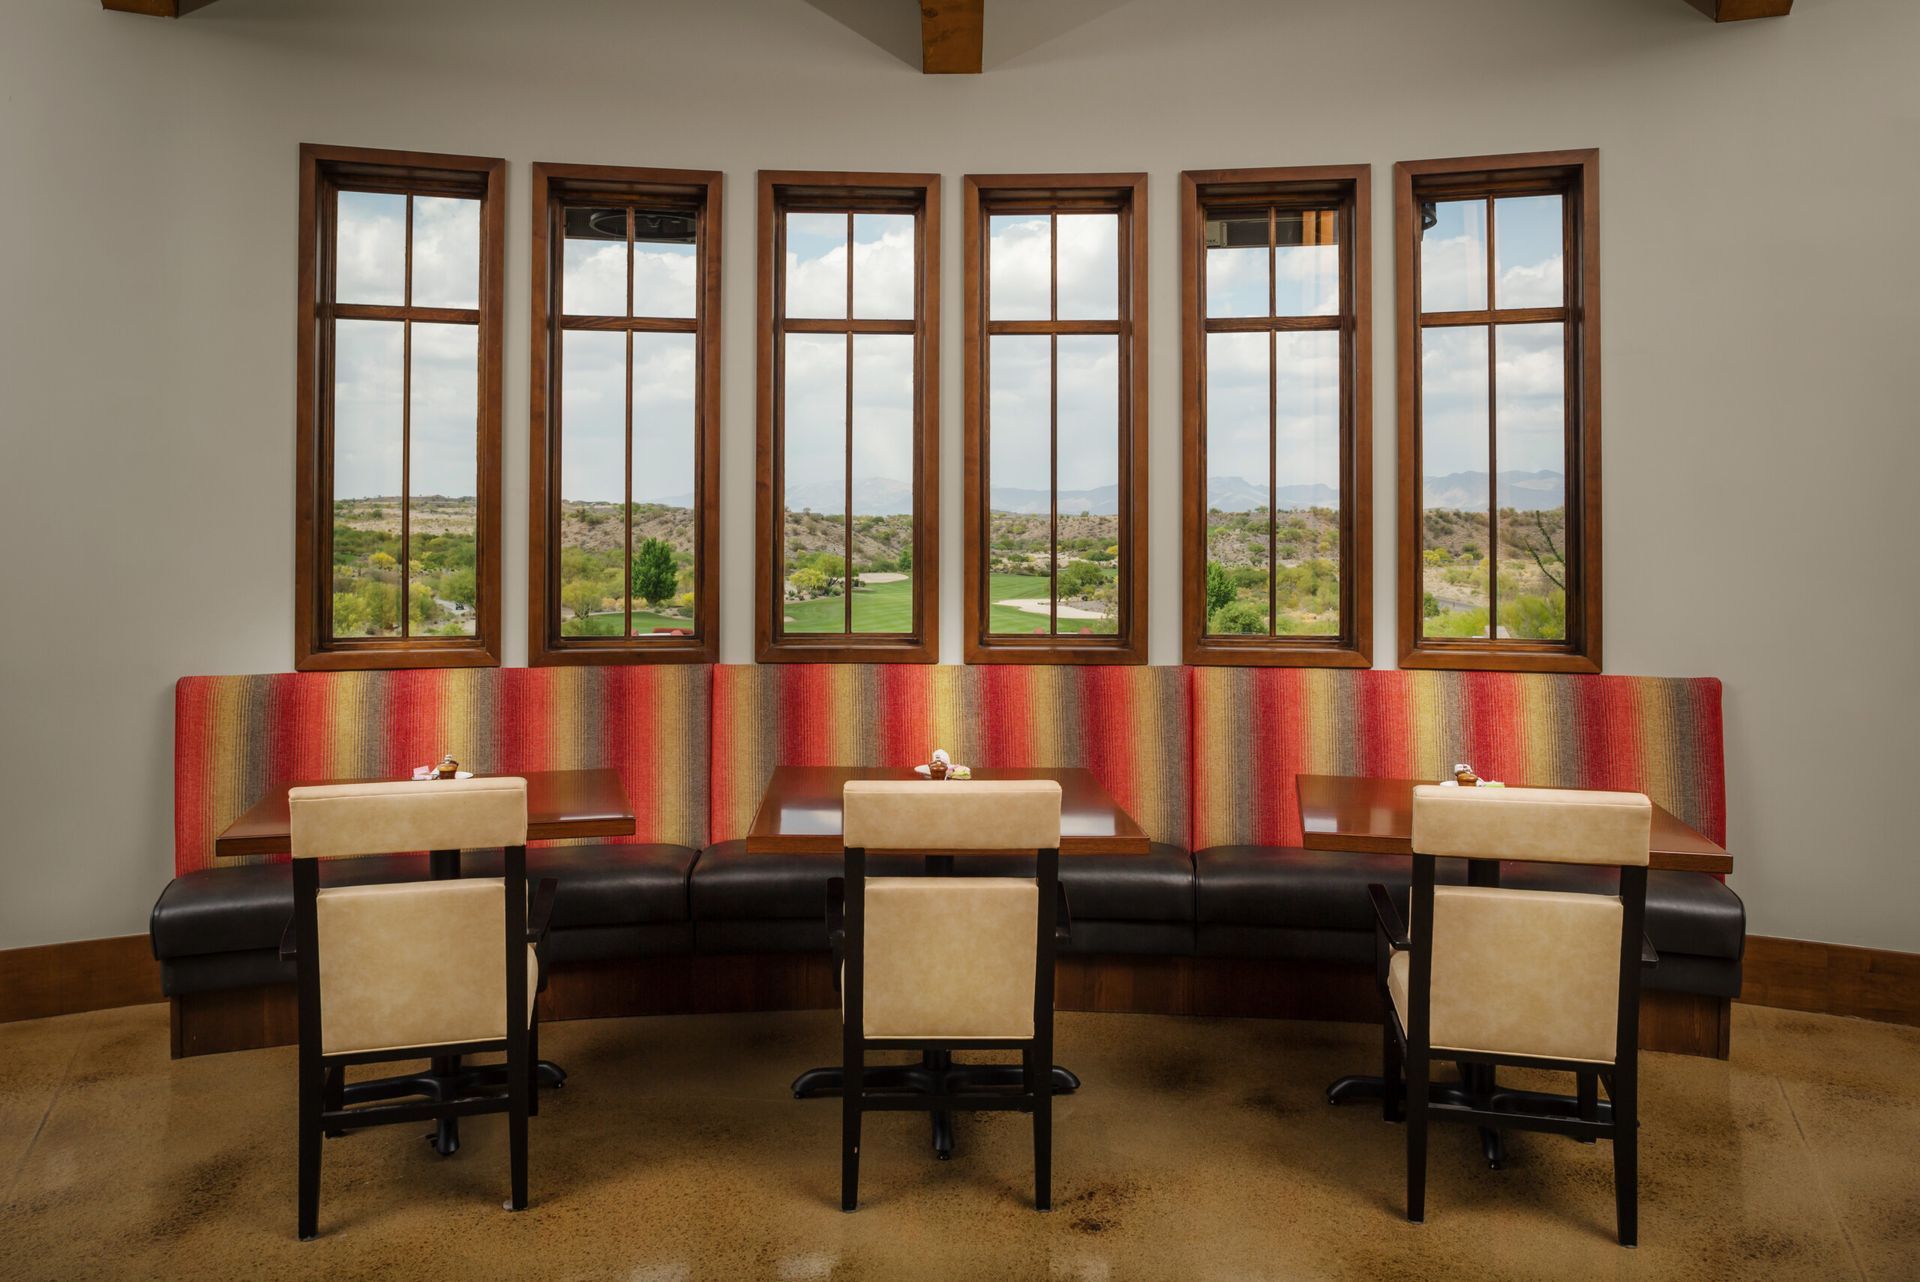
[883,496]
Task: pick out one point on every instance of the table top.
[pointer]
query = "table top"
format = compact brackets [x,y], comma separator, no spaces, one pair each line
[1340,812]
[800,813]
[560,803]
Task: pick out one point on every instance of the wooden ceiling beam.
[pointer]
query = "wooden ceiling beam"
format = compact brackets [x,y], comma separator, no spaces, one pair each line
[154,8]
[950,37]
[1741,10]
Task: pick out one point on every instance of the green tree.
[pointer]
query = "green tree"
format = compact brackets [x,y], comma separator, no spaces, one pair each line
[1239,618]
[1219,586]
[350,615]
[807,581]
[655,576]
[582,596]
[906,559]
[1081,579]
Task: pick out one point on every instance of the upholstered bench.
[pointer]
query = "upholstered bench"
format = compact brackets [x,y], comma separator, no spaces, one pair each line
[220,928]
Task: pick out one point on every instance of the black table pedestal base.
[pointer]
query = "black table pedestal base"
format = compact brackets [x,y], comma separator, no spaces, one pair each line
[935,1074]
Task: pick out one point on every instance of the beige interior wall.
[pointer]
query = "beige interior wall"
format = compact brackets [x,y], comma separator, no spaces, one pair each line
[1759,190]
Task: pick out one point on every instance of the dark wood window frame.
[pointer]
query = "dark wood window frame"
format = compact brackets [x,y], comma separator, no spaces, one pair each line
[693,192]
[1575,176]
[782,191]
[324,171]
[1126,195]
[1203,192]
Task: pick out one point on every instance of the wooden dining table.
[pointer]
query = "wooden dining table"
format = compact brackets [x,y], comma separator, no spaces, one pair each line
[560,803]
[801,814]
[1375,816]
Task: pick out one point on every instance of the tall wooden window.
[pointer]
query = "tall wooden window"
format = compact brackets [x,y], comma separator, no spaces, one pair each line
[1278,426]
[1498,285]
[1056,357]
[849,419]
[397,509]
[623,528]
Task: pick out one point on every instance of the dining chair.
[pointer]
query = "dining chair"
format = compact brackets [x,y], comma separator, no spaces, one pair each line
[935,963]
[1492,976]
[413,970]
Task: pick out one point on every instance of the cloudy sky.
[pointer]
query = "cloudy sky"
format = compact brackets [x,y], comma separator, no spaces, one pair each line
[1528,359]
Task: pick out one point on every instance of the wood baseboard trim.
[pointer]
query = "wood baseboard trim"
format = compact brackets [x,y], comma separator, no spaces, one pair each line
[87,974]
[1832,979]
[209,1023]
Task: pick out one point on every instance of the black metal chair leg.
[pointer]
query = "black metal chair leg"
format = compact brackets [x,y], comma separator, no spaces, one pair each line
[311,1089]
[1418,1071]
[1391,1070]
[1042,1133]
[533,1055]
[850,1128]
[1626,1152]
[519,1087]
[336,1094]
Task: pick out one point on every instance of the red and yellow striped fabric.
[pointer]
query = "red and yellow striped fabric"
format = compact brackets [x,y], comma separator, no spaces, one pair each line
[1128,724]
[236,736]
[1255,729]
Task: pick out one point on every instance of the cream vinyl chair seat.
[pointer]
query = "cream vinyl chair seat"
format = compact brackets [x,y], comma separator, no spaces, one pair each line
[430,970]
[934,963]
[1538,978]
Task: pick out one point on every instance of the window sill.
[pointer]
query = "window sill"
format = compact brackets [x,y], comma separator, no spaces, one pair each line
[1057,650]
[373,658]
[1263,652]
[1470,658]
[840,648]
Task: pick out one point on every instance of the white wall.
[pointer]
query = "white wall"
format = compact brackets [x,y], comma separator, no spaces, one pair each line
[1760,184]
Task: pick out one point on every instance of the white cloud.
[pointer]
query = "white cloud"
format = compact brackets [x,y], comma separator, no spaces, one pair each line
[882,407]
[883,274]
[593,411]
[1019,256]
[816,276]
[665,372]
[1019,400]
[446,251]
[370,248]
[814,411]
[594,278]
[663,280]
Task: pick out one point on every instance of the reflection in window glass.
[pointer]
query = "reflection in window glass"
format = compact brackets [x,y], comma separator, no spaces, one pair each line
[814,459]
[1455,550]
[1089,266]
[816,271]
[1453,258]
[1237,261]
[1088,535]
[443,443]
[1239,481]
[883,266]
[1019,483]
[370,248]
[1019,267]
[367,433]
[594,262]
[665,265]
[882,431]
[1306,263]
[446,251]
[1531,444]
[1528,267]
[661,578]
[593,466]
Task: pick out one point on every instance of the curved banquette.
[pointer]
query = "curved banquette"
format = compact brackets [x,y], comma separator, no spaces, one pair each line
[1227,913]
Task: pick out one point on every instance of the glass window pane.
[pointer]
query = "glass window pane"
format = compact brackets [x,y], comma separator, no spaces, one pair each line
[816,279]
[367,361]
[370,248]
[882,482]
[443,431]
[1526,245]
[1307,470]
[665,267]
[1019,267]
[814,457]
[1237,265]
[883,275]
[1453,258]
[1454,440]
[1531,441]
[594,262]
[1089,452]
[1239,443]
[1306,263]
[446,251]
[665,373]
[1089,266]
[1019,482]
[593,492]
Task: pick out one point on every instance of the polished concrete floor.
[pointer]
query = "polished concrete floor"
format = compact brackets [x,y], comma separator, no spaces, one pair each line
[1199,1149]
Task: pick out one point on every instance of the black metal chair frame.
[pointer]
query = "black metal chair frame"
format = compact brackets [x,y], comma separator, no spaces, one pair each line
[939,1086]
[1408,1053]
[446,1093]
